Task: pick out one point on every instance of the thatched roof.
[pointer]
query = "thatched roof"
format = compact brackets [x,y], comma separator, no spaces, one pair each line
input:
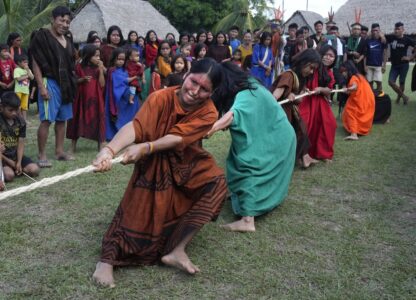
[384,12]
[136,15]
[304,18]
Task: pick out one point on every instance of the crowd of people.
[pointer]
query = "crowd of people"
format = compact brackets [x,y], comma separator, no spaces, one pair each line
[156,100]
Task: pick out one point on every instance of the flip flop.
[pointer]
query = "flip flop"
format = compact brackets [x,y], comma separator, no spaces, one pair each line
[65,157]
[44,163]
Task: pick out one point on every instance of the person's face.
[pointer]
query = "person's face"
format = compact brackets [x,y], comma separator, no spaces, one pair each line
[179,65]
[192,40]
[398,31]
[184,39]
[96,58]
[220,39]
[141,42]
[202,53]
[115,37]
[196,89]
[292,33]
[356,31]
[60,25]
[305,33]
[23,64]
[308,69]
[267,41]
[328,58]
[187,50]
[210,37]
[364,33]
[133,37]
[17,42]
[300,38]
[165,49]
[4,54]
[247,38]
[134,56]
[97,42]
[233,33]
[318,28]
[9,112]
[237,56]
[170,37]
[375,32]
[202,38]
[121,58]
[152,37]
[333,32]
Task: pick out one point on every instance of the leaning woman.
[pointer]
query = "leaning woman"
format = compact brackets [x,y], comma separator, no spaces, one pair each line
[176,186]
[263,144]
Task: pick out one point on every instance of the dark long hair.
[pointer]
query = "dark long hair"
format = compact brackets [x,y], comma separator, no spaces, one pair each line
[87,52]
[225,38]
[11,37]
[308,56]
[110,30]
[129,40]
[147,38]
[350,67]
[234,80]
[324,78]
[116,52]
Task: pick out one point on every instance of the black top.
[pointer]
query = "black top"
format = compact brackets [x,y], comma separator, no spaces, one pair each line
[399,48]
[10,135]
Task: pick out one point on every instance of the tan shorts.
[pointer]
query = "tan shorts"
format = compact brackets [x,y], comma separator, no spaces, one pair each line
[24,101]
[374,74]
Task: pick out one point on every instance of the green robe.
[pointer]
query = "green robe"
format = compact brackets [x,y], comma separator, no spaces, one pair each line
[262,154]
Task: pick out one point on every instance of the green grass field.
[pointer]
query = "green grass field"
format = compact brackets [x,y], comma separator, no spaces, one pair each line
[347,230]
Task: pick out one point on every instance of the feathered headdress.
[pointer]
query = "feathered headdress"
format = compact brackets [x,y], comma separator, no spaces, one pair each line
[278,14]
[331,15]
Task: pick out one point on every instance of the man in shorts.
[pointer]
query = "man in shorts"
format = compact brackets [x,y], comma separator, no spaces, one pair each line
[53,66]
[376,58]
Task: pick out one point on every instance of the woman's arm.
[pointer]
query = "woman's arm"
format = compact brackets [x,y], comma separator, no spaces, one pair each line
[222,123]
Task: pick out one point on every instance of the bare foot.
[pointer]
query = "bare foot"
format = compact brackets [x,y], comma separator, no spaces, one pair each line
[352,137]
[246,224]
[181,261]
[328,161]
[103,275]
[307,161]
[405,99]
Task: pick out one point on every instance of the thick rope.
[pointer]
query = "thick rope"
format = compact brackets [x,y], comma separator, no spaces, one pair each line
[308,94]
[51,180]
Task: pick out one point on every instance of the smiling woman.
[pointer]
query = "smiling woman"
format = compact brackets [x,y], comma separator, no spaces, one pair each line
[176,186]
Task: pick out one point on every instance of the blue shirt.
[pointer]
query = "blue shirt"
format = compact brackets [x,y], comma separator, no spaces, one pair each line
[375,50]
[234,44]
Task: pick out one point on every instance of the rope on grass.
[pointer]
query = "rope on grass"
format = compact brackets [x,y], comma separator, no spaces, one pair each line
[51,180]
[308,94]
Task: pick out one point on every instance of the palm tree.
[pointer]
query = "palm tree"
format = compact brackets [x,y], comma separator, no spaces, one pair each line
[24,16]
[243,16]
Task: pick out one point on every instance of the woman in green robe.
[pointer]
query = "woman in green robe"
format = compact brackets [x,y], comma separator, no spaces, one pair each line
[262,154]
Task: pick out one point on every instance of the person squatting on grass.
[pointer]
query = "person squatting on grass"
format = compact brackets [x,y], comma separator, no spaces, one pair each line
[12,142]
[176,186]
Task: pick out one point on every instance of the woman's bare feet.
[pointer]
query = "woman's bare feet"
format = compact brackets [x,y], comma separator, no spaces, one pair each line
[246,224]
[180,260]
[103,275]
[307,161]
[351,137]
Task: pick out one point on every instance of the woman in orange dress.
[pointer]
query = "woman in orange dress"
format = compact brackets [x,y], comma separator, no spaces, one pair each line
[358,113]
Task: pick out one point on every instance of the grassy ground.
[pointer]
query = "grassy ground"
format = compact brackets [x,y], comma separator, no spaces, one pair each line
[346,231]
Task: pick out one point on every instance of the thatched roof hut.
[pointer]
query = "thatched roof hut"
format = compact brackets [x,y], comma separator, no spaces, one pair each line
[304,18]
[136,15]
[384,12]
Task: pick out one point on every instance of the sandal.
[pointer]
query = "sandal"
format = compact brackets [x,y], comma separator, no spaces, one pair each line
[44,163]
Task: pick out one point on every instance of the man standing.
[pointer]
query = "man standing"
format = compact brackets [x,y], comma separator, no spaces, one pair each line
[400,49]
[318,36]
[376,57]
[53,66]
[290,43]
[356,47]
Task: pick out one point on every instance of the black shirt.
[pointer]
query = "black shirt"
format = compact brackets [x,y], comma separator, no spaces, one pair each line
[399,48]
[10,135]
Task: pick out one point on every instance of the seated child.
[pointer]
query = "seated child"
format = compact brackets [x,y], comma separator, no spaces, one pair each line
[22,76]
[13,133]
[135,69]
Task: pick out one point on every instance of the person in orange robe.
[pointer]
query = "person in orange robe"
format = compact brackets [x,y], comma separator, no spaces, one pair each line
[176,186]
[358,113]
